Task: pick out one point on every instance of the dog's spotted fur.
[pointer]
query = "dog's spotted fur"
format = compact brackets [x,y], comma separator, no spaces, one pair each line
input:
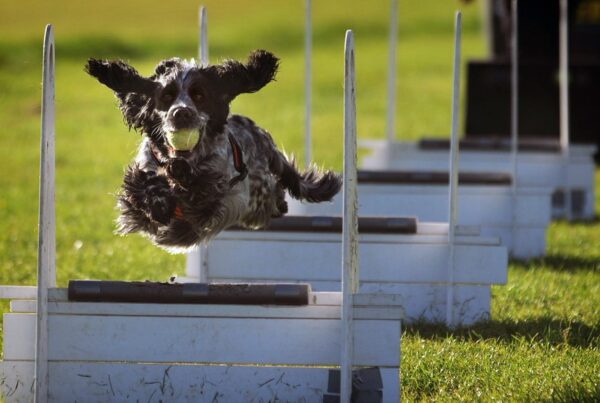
[179,199]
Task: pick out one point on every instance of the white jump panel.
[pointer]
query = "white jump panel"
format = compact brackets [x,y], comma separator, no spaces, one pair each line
[534,169]
[204,340]
[104,382]
[413,268]
[184,352]
[490,207]
[385,258]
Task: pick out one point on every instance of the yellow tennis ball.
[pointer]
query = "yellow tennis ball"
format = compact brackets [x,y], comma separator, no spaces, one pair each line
[183,139]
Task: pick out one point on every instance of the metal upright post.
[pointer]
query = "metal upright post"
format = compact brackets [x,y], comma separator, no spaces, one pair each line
[46,273]
[453,175]
[564,101]
[350,223]
[391,82]
[195,263]
[307,81]
[514,116]
[203,40]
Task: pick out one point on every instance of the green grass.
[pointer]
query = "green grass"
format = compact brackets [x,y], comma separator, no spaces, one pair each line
[544,340]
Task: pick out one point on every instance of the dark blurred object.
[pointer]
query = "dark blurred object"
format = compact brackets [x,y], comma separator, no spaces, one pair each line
[488,82]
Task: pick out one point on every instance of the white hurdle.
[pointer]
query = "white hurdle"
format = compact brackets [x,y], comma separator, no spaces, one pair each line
[567,171]
[123,351]
[412,265]
[489,205]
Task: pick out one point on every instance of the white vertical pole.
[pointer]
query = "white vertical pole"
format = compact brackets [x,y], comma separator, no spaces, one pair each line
[453,175]
[564,100]
[47,233]
[391,83]
[195,262]
[514,116]
[307,81]
[203,40]
[350,223]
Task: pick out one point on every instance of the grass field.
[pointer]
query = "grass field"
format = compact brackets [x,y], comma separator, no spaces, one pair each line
[544,340]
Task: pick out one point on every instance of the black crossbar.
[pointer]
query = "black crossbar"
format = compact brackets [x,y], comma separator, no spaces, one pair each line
[368,225]
[189,293]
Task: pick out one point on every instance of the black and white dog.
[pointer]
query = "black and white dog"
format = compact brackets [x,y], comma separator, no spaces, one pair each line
[200,170]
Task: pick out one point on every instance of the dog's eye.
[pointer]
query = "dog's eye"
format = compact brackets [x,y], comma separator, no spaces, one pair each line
[167,98]
[197,96]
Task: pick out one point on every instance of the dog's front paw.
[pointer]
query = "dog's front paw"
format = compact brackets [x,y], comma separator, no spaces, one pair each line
[180,171]
[160,202]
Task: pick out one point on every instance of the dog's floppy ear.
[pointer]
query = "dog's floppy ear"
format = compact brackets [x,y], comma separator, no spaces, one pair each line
[120,77]
[237,78]
[165,67]
[135,93]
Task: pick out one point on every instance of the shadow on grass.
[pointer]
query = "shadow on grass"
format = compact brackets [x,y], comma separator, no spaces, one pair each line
[564,263]
[586,223]
[539,330]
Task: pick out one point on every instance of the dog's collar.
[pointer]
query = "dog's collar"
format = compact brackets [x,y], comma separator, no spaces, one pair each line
[238,162]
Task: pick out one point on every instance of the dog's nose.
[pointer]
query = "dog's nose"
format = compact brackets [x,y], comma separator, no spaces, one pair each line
[182,114]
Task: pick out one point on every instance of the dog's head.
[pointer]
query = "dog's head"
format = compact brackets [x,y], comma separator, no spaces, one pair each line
[180,95]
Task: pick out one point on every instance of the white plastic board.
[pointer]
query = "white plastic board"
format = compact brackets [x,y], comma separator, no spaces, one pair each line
[535,169]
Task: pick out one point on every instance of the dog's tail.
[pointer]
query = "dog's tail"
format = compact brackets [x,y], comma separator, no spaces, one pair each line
[312,185]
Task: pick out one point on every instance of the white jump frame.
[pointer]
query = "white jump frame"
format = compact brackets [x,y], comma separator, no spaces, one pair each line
[197,262]
[569,171]
[47,243]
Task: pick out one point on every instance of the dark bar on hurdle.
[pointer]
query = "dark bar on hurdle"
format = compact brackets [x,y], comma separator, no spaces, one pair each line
[333,224]
[431,178]
[189,293]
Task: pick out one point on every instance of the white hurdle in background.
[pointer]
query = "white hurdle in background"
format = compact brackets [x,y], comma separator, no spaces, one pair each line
[567,172]
[424,296]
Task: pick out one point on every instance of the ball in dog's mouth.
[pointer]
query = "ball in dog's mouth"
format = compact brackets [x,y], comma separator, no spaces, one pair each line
[183,140]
